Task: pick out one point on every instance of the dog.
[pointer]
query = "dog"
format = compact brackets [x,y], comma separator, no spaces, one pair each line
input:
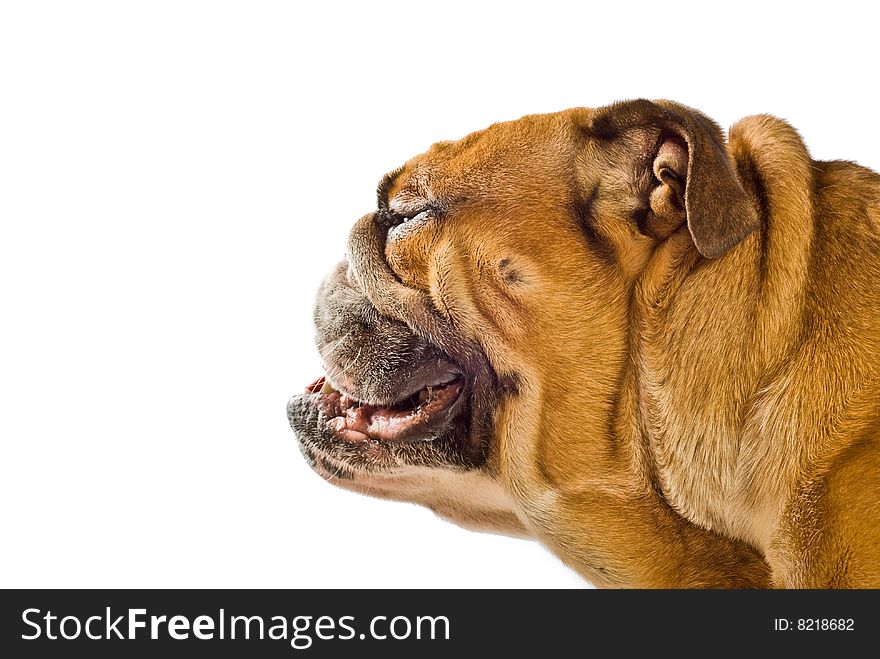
[652,348]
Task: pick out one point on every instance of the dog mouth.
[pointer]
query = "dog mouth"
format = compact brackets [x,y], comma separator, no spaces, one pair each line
[416,416]
[393,400]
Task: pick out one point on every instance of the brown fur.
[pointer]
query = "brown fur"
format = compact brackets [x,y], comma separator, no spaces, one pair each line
[694,329]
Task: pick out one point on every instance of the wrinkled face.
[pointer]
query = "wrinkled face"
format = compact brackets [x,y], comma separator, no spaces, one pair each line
[463,294]
[475,337]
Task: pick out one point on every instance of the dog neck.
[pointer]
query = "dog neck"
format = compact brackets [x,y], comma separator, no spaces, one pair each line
[697,321]
[665,480]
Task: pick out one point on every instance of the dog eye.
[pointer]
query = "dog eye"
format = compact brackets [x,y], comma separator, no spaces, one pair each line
[404,225]
[416,217]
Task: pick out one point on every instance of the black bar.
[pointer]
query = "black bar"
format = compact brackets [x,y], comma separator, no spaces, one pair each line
[517,622]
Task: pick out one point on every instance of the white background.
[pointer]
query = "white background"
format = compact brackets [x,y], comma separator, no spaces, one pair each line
[175,179]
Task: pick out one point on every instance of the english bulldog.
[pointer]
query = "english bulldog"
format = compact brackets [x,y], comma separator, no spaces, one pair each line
[653,348]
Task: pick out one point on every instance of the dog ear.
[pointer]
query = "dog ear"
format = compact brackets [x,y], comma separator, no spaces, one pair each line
[682,173]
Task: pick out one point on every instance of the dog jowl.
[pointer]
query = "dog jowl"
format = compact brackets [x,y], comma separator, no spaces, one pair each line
[653,349]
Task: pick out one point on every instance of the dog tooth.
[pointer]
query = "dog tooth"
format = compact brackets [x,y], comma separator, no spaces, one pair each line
[327,388]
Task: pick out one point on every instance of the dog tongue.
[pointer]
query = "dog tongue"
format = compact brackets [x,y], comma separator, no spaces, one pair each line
[410,419]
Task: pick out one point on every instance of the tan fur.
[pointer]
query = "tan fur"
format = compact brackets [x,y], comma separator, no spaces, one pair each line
[681,419]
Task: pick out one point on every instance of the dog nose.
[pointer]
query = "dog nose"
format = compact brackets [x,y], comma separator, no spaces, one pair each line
[291,409]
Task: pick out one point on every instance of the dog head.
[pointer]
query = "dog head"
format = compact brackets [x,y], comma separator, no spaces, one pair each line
[474,339]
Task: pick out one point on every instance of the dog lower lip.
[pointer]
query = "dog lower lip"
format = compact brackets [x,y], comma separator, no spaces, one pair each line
[411,418]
